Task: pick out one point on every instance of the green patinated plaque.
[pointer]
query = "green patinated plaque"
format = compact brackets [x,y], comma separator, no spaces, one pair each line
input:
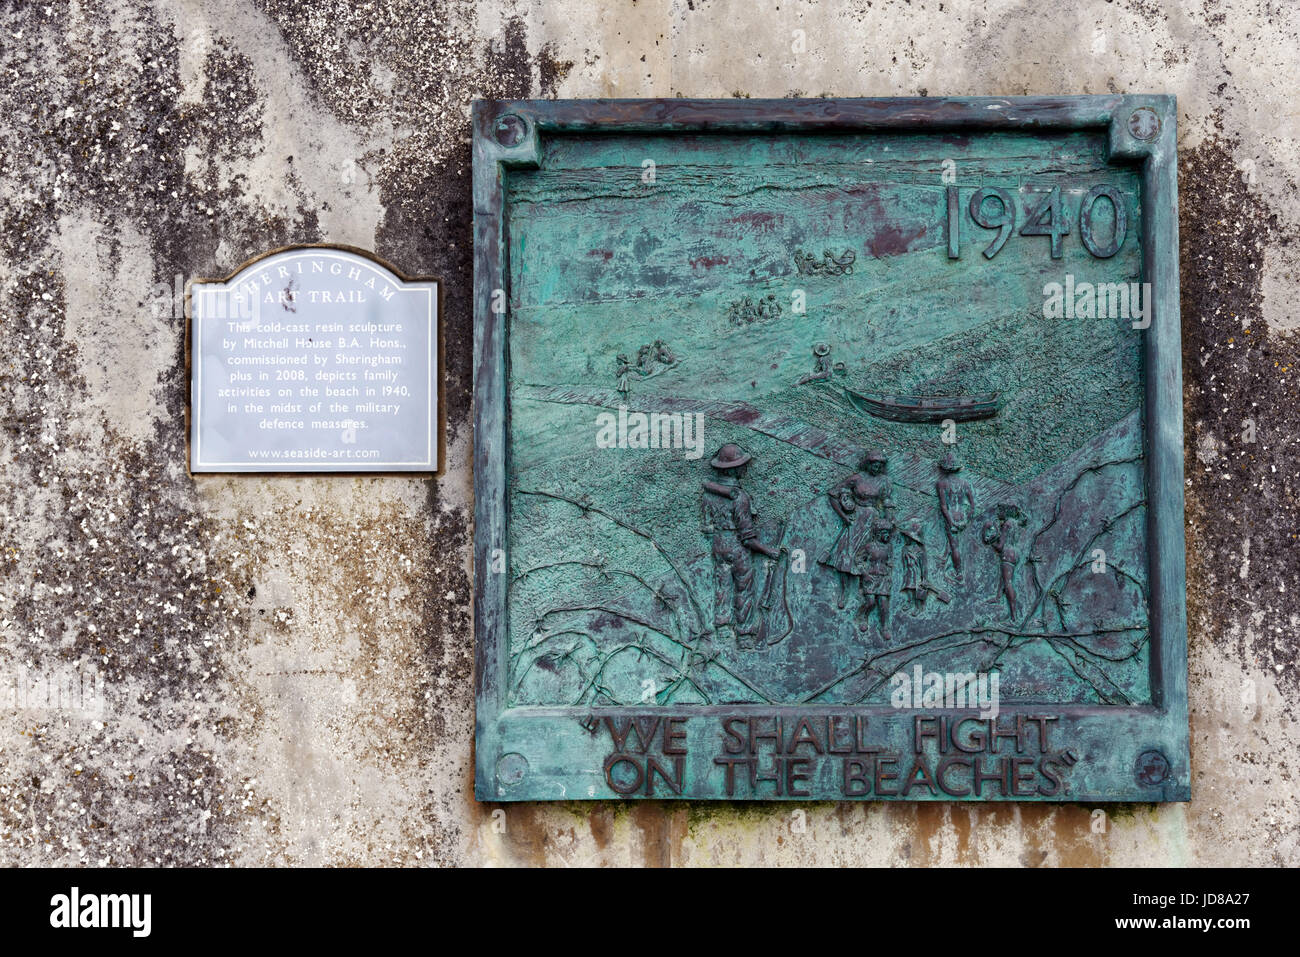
[829,449]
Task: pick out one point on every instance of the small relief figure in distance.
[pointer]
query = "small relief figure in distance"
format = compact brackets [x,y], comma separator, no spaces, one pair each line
[743,312]
[957,503]
[877,581]
[1000,535]
[823,368]
[663,354]
[622,369]
[645,360]
[728,516]
[651,360]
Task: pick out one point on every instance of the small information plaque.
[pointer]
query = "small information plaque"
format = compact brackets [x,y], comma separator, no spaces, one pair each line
[314,359]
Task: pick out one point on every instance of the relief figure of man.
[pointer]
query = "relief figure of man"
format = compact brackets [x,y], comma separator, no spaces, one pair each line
[728,516]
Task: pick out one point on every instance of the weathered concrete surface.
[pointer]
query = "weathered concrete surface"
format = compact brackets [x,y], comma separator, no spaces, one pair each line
[288,661]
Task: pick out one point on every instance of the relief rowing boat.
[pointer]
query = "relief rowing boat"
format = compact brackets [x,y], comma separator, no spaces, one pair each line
[926,408]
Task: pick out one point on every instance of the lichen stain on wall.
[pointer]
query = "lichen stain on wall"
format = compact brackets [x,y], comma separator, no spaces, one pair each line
[288,661]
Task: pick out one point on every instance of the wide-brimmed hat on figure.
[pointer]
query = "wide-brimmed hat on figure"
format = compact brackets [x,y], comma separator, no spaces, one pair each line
[730,456]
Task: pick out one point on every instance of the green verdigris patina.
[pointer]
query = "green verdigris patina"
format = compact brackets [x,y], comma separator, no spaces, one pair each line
[829,449]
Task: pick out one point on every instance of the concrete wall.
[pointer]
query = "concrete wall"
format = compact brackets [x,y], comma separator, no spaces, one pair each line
[287,661]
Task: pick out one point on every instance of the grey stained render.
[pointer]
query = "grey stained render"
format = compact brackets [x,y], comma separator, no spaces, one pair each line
[286,662]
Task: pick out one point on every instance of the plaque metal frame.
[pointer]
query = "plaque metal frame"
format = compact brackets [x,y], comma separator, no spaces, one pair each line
[543,753]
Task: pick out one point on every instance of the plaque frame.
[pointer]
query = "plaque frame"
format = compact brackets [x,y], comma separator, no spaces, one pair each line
[1130,754]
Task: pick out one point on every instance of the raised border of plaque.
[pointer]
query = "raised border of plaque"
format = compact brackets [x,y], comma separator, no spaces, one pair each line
[432,418]
[1123,753]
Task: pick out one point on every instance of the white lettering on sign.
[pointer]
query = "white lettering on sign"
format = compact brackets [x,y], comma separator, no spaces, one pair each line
[314,360]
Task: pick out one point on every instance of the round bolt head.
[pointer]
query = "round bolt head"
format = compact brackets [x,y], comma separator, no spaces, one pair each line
[1144,124]
[511,768]
[510,130]
[1151,768]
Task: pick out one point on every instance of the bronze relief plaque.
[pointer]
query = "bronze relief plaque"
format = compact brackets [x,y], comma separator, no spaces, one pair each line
[829,449]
